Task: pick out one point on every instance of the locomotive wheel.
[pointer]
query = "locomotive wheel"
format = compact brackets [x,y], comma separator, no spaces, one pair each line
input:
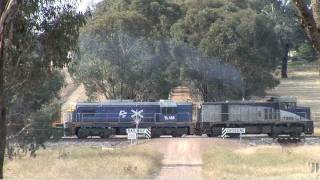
[104,135]
[154,135]
[174,134]
[273,135]
[295,134]
[210,135]
[234,135]
[213,134]
[216,131]
[198,132]
[82,133]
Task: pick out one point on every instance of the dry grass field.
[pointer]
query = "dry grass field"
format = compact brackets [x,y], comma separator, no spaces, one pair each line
[261,162]
[86,163]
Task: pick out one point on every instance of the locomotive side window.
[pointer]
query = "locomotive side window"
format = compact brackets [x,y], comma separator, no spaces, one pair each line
[268,114]
[288,105]
[265,113]
[259,113]
[168,110]
[164,110]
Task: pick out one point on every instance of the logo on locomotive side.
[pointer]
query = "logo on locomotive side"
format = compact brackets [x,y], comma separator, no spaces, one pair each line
[123,114]
[135,113]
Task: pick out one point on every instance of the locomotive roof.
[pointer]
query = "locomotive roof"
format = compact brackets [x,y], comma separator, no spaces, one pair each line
[132,103]
[237,102]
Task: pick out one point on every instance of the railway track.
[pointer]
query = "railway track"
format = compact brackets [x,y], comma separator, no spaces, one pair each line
[119,141]
[260,139]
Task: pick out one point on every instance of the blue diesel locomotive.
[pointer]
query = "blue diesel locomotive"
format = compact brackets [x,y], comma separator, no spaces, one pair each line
[114,117]
[277,116]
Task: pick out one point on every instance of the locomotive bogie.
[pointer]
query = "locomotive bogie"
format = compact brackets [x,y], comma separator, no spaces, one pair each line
[84,132]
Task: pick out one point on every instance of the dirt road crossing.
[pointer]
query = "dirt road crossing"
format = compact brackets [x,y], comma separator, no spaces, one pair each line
[183,156]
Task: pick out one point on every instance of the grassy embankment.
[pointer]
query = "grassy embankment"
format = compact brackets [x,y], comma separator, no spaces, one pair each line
[265,162]
[87,163]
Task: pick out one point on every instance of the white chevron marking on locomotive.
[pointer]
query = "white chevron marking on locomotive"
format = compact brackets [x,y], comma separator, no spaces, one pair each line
[137,114]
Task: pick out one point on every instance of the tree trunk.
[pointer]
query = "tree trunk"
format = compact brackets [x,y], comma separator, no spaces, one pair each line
[221,96]
[5,9]
[308,22]
[284,66]
[205,92]
[2,111]
[318,60]
[316,12]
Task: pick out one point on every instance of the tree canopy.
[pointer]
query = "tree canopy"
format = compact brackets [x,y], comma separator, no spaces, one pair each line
[124,50]
[36,38]
[138,49]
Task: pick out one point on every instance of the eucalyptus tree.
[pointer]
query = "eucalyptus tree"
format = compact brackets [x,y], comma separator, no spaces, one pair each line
[114,66]
[125,51]
[287,28]
[35,38]
[237,35]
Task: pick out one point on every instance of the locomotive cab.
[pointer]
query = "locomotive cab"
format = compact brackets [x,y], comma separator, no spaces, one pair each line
[290,110]
[291,113]
[168,110]
[285,102]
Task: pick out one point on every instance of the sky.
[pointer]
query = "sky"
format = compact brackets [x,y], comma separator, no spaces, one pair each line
[85,3]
